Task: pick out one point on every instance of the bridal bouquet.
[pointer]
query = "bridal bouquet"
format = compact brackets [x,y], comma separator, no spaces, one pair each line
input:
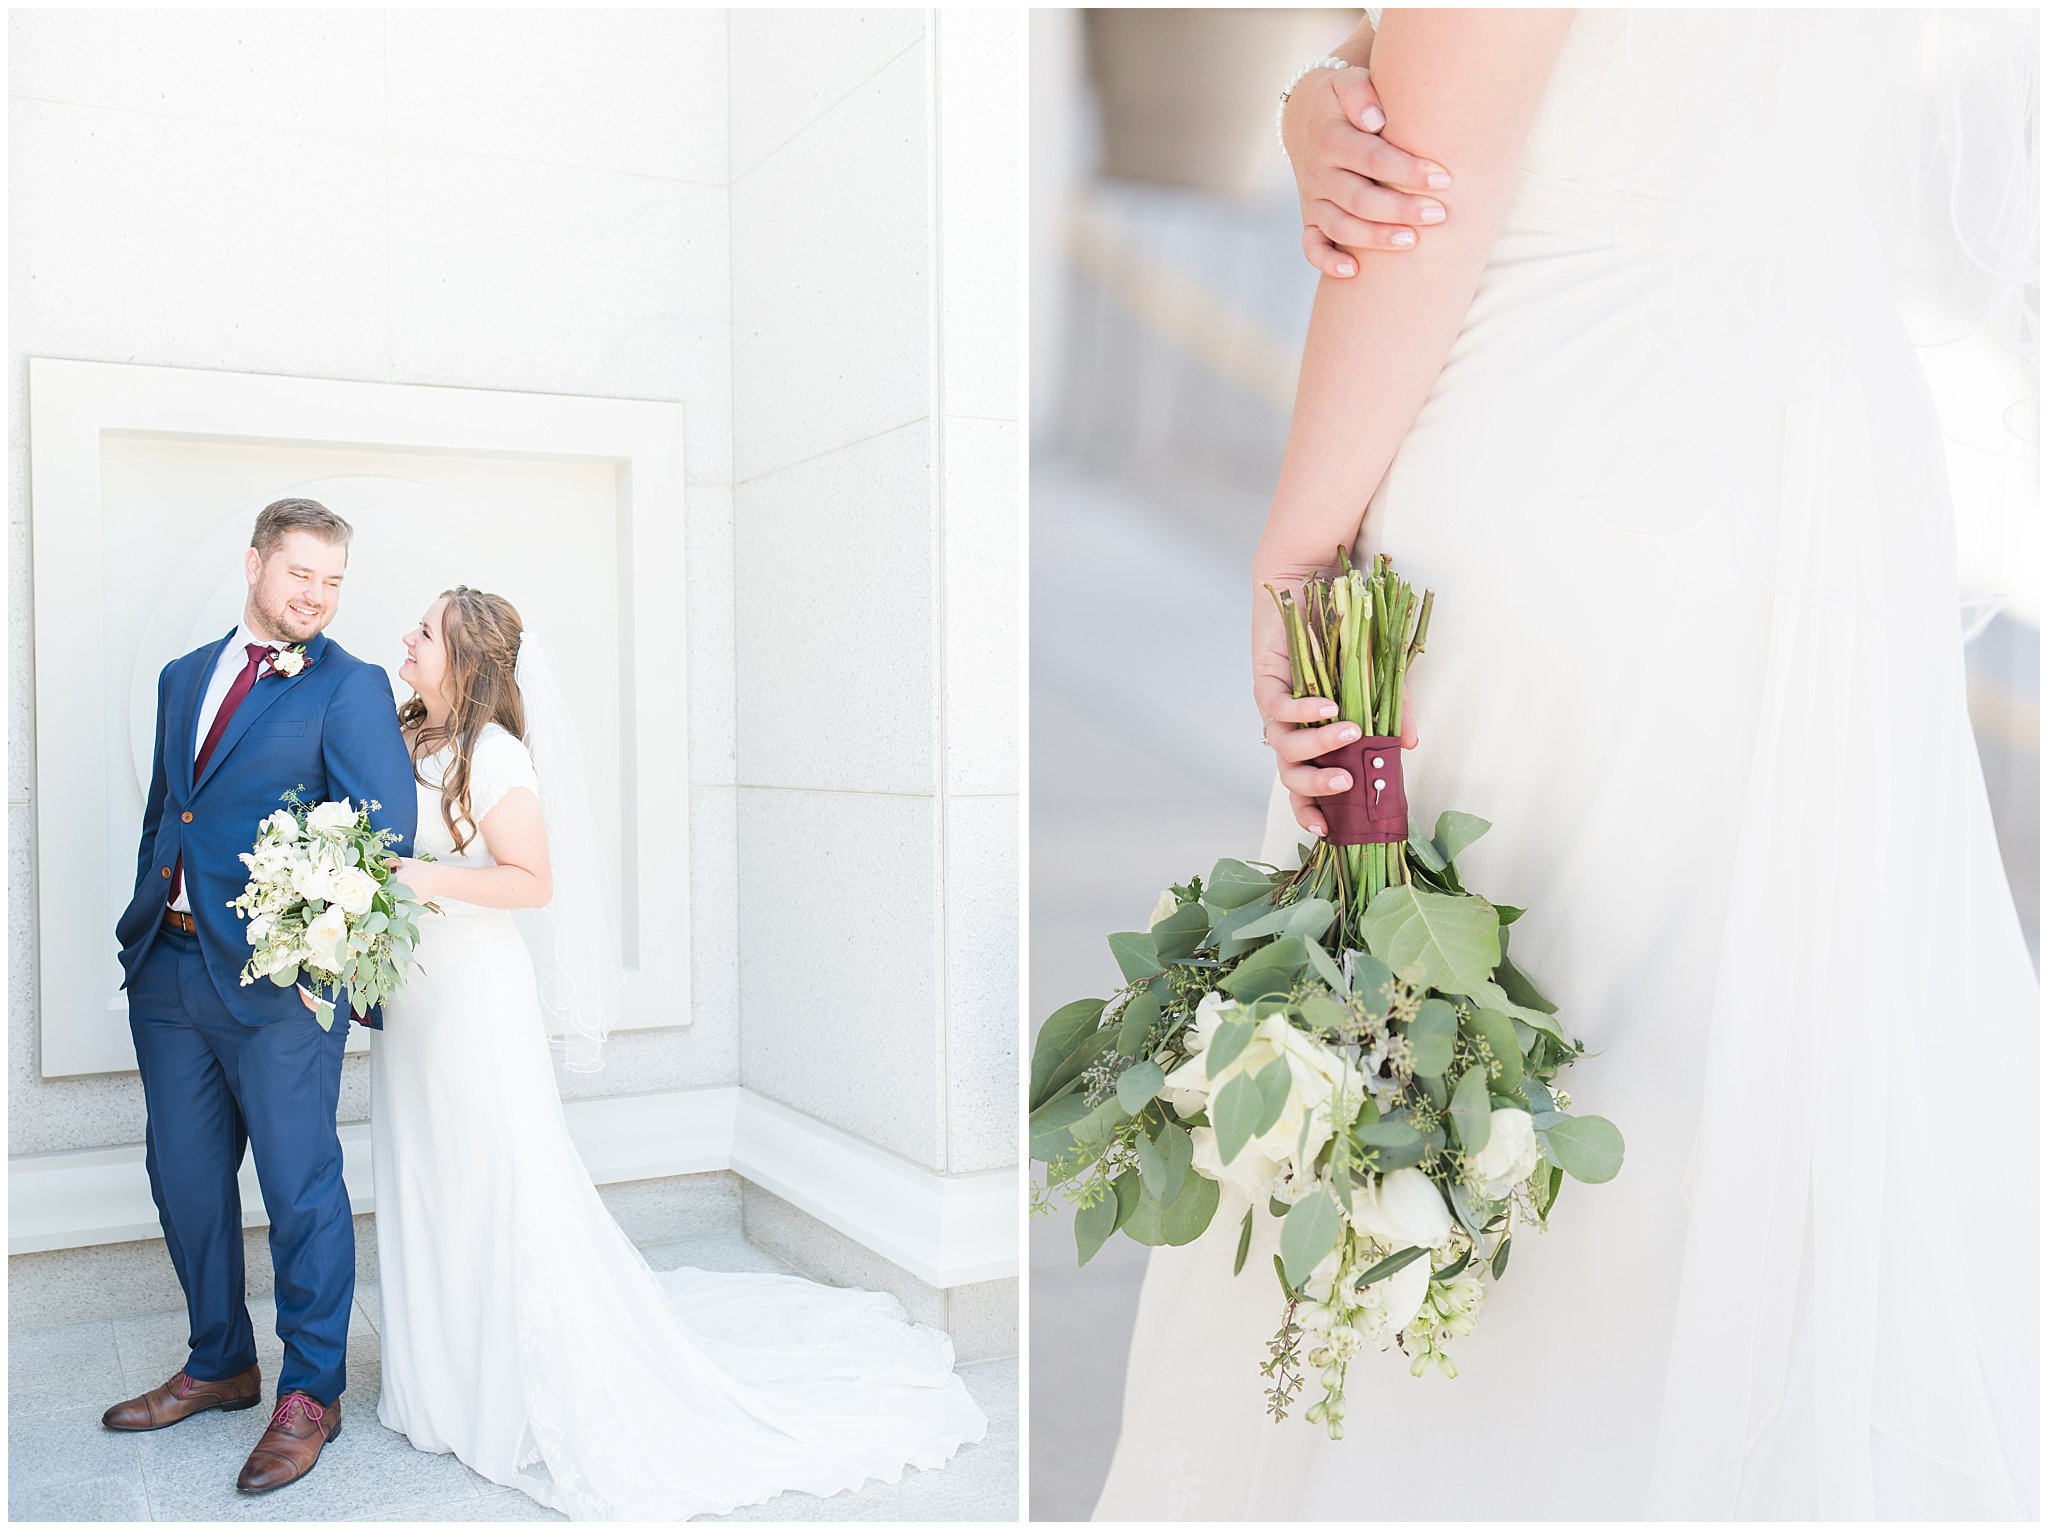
[1347,1046]
[321,899]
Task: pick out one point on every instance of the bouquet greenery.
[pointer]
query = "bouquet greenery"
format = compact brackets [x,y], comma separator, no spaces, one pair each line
[1348,1047]
[322,898]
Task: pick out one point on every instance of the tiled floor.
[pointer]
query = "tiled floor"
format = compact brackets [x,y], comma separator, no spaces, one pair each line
[63,1466]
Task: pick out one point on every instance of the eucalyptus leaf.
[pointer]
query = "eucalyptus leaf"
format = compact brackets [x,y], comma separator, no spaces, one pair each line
[1066,1028]
[1138,1085]
[1455,831]
[1231,1037]
[1050,1126]
[1451,940]
[1077,1061]
[1164,1158]
[1092,1226]
[1500,1257]
[1588,1148]
[1432,1036]
[1498,1031]
[1272,969]
[1308,918]
[1232,884]
[1325,965]
[1390,1145]
[1236,1111]
[1136,956]
[1308,1234]
[1136,1022]
[1471,1111]
[1180,934]
[1508,915]
[1230,945]
[1275,1082]
[1454,1269]
[1244,1241]
[1426,851]
[1373,981]
[1472,1211]
[1174,1223]
[1490,995]
[1322,1013]
[1516,985]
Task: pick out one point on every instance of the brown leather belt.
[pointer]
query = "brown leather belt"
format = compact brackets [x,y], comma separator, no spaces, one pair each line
[180,921]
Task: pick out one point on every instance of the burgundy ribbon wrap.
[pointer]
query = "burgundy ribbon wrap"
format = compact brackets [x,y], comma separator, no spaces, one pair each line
[1375,810]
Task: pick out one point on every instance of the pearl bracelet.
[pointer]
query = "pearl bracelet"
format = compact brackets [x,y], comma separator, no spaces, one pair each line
[1280,112]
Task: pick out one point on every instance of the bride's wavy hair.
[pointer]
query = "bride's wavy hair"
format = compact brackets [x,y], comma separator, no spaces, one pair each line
[482,634]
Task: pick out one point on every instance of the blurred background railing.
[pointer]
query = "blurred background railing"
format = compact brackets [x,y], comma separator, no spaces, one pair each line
[1168,301]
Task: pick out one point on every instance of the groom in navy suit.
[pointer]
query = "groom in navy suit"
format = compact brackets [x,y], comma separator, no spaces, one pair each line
[271,706]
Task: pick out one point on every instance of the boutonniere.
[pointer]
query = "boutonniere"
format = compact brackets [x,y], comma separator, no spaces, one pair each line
[290,662]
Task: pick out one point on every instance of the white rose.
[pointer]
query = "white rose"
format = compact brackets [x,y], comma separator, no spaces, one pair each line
[332,818]
[260,928]
[1251,1174]
[1266,1164]
[1164,908]
[283,825]
[1510,1155]
[312,880]
[1208,1015]
[325,939]
[1403,1209]
[353,888]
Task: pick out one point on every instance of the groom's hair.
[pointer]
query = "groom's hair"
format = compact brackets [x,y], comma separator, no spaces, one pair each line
[297,515]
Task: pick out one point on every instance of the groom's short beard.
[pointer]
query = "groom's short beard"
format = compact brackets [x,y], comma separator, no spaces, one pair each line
[284,625]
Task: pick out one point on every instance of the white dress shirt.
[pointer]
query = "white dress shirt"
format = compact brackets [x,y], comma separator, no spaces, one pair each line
[225,668]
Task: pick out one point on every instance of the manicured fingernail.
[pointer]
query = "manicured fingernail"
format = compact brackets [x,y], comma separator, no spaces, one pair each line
[1346,734]
[1316,829]
[1347,268]
[1327,709]
[1432,212]
[1373,120]
[1403,237]
[1439,181]
[1340,781]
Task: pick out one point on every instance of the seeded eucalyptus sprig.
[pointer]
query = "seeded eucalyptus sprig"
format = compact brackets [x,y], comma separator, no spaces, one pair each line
[1350,639]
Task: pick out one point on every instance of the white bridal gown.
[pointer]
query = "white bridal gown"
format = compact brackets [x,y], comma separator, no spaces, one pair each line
[1696,653]
[524,1332]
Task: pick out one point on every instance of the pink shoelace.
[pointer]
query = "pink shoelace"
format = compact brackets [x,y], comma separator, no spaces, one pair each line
[299,1405]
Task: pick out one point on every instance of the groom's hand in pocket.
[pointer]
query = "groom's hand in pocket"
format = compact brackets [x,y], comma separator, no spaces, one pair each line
[1358,191]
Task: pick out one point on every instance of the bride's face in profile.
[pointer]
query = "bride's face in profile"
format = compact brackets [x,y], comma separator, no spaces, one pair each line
[426,654]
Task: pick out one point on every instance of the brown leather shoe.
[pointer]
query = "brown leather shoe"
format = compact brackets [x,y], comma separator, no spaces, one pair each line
[181,1397]
[291,1444]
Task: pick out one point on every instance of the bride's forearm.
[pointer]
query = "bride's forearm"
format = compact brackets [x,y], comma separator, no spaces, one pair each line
[1460,87]
[483,886]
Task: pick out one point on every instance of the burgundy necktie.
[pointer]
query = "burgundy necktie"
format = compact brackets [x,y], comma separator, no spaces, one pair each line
[259,655]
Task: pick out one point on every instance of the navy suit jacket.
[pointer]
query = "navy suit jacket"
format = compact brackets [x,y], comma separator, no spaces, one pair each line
[330,730]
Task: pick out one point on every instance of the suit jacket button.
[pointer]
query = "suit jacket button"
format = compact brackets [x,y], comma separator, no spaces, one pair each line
[167,871]
[187,817]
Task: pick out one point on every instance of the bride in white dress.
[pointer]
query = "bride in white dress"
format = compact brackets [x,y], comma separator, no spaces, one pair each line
[522,1331]
[1643,413]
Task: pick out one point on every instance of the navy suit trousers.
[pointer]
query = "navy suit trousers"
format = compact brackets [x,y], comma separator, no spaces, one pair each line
[214,1086]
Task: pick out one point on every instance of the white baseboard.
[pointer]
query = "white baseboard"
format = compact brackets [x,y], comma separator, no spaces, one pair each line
[946,1229]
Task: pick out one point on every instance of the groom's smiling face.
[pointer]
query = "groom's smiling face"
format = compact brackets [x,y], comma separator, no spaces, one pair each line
[296,591]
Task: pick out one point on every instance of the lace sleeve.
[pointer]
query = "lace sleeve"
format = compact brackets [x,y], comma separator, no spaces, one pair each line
[501,763]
